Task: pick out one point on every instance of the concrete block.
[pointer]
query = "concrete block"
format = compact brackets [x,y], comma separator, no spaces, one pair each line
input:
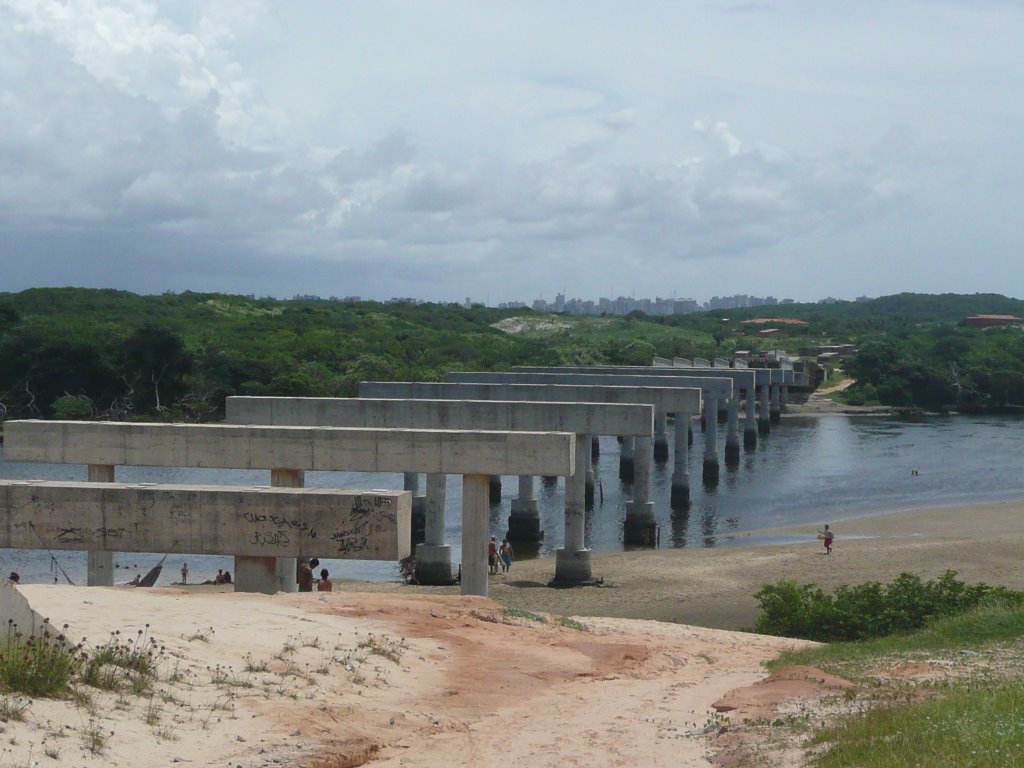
[195,519]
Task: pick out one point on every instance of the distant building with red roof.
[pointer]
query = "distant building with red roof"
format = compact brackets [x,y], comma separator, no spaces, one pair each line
[992,321]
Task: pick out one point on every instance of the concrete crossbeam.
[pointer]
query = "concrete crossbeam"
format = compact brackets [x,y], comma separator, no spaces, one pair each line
[670,399]
[301,448]
[205,519]
[503,416]
[718,386]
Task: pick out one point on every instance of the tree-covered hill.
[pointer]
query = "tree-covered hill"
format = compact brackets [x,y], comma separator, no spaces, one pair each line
[79,353]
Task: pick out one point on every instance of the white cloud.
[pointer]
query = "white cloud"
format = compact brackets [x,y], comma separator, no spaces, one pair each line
[154,119]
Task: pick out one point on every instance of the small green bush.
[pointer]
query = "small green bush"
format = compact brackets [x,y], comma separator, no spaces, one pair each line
[870,609]
[38,666]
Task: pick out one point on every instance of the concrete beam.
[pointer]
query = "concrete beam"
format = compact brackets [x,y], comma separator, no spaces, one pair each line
[504,416]
[712,385]
[205,519]
[299,448]
[669,399]
[741,377]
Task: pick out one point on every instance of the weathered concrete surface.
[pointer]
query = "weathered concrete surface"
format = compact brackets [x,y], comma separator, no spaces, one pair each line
[740,376]
[205,519]
[504,416]
[712,385]
[301,448]
[670,399]
[15,608]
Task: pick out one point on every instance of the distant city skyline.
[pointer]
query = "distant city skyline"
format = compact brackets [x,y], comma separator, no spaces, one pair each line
[620,305]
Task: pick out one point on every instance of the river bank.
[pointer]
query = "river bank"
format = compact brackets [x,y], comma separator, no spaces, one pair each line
[715,587]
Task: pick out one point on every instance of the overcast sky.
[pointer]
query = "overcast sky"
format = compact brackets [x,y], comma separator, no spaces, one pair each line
[512,150]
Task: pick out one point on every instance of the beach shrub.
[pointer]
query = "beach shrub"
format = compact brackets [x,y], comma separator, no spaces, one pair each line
[43,665]
[871,609]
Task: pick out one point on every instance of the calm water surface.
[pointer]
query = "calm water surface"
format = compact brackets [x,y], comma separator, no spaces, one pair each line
[807,471]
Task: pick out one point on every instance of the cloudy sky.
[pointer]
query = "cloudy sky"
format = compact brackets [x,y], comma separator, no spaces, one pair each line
[510,150]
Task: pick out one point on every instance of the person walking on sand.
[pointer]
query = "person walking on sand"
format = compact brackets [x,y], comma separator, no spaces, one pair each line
[826,537]
[184,573]
[506,553]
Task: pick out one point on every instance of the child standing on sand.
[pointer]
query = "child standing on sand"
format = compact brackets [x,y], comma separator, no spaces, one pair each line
[826,537]
[184,573]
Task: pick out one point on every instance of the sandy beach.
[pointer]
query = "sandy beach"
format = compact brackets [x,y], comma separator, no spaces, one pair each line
[389,675]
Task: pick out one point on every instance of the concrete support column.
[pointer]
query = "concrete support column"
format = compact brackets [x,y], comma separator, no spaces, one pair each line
[660,435]
[100,564]
[588,488]
[476,506]
[784,395]
[723,411]
[732,433]
[680,471]
[626,459]
[595,446]
[411,483]
[433,556]
[524,522]
[494,489]
[269,575]
[774,406]
[711,468]
[572,562]
[763,420]
[640,528]
[750,425]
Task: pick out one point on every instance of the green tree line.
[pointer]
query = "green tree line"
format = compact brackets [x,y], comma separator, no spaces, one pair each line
[85,353]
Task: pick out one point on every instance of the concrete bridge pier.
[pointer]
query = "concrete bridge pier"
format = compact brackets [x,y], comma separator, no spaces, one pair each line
[775,407]
[433,556]
[100,564]
[627,459]
[640,527]
[732,434]
[763,419]
[411,483]
[750,424]
[680,471]
[711,467]
[660,436]
[269,575]
[784,397]
[588,488]
[494,489]
[524,521]
[476,505]
[572,562]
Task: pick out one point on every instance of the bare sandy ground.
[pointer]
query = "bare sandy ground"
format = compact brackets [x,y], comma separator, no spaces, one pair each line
[419,677]
[396,680]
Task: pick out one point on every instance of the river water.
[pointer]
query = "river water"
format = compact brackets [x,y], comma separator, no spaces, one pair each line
[808,471]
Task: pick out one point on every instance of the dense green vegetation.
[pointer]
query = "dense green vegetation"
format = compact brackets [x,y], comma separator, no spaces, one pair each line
[79,353]
[872,609]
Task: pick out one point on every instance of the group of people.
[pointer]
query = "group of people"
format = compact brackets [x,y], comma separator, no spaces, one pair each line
[323,584]
[499,556]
